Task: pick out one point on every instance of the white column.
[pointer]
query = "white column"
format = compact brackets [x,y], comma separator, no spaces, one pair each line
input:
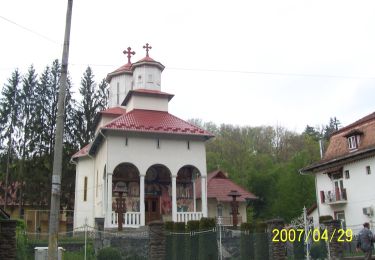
[194,197]
[204,195]
[174,199]
[109,200]
[142,198]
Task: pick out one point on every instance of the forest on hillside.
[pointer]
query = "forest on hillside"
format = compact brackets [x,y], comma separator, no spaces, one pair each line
[263,159]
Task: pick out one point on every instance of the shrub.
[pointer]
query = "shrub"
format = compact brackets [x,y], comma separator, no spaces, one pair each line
[247,227]
[169,225]
[193,225]
[207,223]
[109,253]
[179,227]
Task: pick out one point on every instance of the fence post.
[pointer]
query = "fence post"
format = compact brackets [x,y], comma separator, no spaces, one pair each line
[157,240]
[8,239]
[335,247]
[277,249]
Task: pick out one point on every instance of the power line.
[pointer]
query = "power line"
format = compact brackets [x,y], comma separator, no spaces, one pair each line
[30,30]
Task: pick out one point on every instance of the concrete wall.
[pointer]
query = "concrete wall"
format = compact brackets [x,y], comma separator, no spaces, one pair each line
[141,77]
[147,102]
[84,209]
[125,83]
[360,193]
[143,152]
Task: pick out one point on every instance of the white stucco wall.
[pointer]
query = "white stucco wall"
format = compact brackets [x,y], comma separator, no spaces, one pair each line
[147,102]
[100,164]
[142,151]
[360,189]
[84,209]
[141,77]
[125,84]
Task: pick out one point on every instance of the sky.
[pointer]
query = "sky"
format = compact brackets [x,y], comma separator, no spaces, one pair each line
[247,63]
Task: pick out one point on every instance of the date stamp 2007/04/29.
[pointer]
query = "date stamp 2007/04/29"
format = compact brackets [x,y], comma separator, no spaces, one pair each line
[316,234]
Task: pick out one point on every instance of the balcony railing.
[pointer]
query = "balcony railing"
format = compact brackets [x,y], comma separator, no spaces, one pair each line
[130,219]
[187,216]
[333,196]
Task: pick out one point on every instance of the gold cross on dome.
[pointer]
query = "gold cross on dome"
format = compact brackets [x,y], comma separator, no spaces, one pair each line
[129,53]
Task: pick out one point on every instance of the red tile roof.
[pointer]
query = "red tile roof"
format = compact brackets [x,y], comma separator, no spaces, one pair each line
[148,60]
[83,152]
[127,68]
[113,111]
[146,92]
[338,152]
[218,186]
[150,121]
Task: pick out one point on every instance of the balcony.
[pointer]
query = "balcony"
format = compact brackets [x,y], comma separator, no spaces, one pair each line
[333,197]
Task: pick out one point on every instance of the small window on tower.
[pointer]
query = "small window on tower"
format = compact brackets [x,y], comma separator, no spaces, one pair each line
[368,170]
[158,144]
[347,174]
[126,141]
[149,78]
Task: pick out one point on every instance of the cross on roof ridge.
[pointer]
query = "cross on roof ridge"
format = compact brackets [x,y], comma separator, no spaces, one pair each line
[147,47]
[129,53]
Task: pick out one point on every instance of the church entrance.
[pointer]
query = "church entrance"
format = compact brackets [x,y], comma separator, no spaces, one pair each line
[152,208]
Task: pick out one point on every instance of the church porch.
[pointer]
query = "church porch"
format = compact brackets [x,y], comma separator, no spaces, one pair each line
[157,195]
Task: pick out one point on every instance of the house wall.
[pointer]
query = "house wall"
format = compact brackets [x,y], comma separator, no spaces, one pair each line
[360,189]
[147,102]
[84,209]
[143,152]
[212,209]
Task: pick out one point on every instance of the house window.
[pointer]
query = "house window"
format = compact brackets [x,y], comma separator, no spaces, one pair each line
[353,142]
[188,145]
[85,189]
[158,144]
[126,141]
[347,174]
[340,215]
[368,170]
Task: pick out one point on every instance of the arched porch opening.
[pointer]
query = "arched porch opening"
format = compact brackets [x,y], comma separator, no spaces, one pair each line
[126,180]
[158,195]
[186,193]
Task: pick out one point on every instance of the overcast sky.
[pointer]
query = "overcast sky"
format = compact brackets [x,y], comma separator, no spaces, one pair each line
[287,63]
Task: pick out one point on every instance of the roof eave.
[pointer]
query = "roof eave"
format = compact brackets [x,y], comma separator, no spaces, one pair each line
[337,161]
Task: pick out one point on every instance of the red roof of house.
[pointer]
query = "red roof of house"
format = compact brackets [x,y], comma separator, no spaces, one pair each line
[114,111]
[219,185]
[338,152]
[83,152]
[139,120]
[146,92]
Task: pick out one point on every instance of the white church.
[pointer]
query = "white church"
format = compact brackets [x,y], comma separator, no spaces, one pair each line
[142,153]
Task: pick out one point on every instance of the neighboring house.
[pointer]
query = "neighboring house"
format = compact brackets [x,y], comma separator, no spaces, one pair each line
[218,188]
[36,217]
[140,152]
[345,177]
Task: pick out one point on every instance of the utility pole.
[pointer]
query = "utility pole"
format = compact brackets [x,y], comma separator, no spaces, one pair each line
[58,149]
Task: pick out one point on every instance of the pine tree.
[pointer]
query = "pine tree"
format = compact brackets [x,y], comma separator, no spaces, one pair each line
[9,108]
[88,108]
[103,95]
